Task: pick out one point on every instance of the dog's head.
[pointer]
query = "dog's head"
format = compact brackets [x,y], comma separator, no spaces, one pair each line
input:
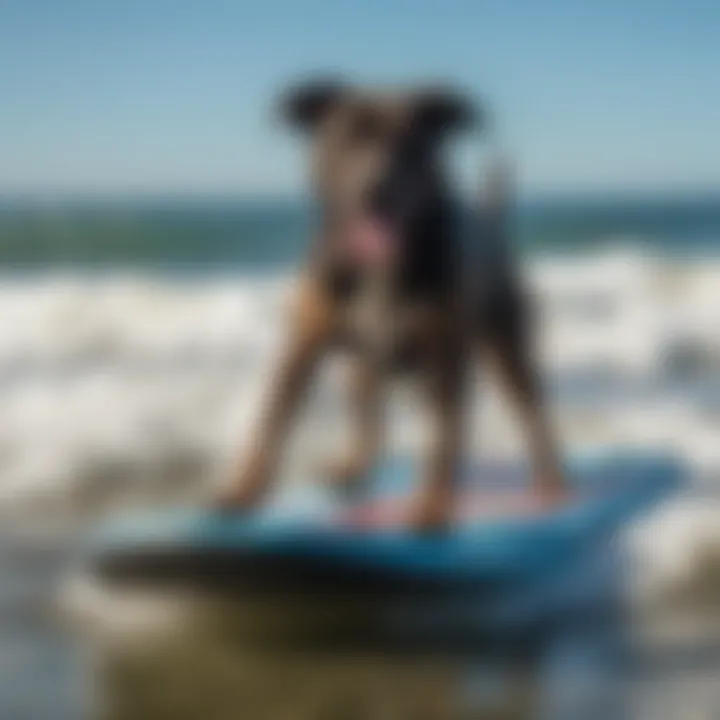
[377,159]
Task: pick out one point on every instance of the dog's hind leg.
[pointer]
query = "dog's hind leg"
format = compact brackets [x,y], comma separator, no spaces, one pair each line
[507,342]
[367,421]
[446,386]
[505,329]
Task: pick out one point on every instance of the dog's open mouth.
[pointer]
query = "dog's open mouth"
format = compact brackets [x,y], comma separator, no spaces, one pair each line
[373,241]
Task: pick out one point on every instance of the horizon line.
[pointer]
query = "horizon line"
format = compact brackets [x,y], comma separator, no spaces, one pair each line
[10,196]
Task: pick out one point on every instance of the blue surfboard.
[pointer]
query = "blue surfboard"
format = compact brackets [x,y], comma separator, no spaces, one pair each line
[310,538]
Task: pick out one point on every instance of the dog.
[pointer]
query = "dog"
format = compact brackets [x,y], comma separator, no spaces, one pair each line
[391,279]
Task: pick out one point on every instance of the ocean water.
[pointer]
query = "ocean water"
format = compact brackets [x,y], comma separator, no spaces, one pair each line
[138,339]
[263,234]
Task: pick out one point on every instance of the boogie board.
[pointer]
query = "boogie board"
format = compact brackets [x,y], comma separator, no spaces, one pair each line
[309,539]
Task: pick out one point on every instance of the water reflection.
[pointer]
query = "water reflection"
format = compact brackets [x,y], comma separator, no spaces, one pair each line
[552,650]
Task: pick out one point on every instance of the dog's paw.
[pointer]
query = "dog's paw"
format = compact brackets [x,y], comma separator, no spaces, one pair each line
[551,492]
[237,498]
[243,493]
[346,472]
[431,512]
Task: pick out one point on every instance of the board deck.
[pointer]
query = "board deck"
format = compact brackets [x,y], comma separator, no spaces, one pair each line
[308,535]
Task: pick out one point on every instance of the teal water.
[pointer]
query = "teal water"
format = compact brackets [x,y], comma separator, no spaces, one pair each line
[270,234]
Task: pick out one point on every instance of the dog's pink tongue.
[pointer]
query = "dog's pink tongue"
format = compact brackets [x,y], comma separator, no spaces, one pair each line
[372,242]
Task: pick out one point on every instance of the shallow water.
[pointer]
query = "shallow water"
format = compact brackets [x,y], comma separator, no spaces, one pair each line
[125,653]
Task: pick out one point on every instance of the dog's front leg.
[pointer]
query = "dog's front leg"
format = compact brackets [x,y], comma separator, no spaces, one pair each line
[433,505]
[293,375]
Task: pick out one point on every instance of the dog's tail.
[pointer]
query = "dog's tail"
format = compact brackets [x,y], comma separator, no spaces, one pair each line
[495,213]
[498,194]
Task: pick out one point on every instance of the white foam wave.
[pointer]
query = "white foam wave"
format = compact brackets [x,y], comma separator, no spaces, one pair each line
[142,386]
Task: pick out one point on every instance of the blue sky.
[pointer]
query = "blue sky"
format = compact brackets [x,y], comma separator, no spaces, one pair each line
[174,95]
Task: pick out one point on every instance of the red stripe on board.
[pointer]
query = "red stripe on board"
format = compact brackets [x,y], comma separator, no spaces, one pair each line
[479,505]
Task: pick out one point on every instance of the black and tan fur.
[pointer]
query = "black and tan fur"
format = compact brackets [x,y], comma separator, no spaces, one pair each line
[432,312]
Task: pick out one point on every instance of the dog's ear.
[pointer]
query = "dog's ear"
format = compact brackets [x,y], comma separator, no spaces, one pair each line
[304,105]
[444,110]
